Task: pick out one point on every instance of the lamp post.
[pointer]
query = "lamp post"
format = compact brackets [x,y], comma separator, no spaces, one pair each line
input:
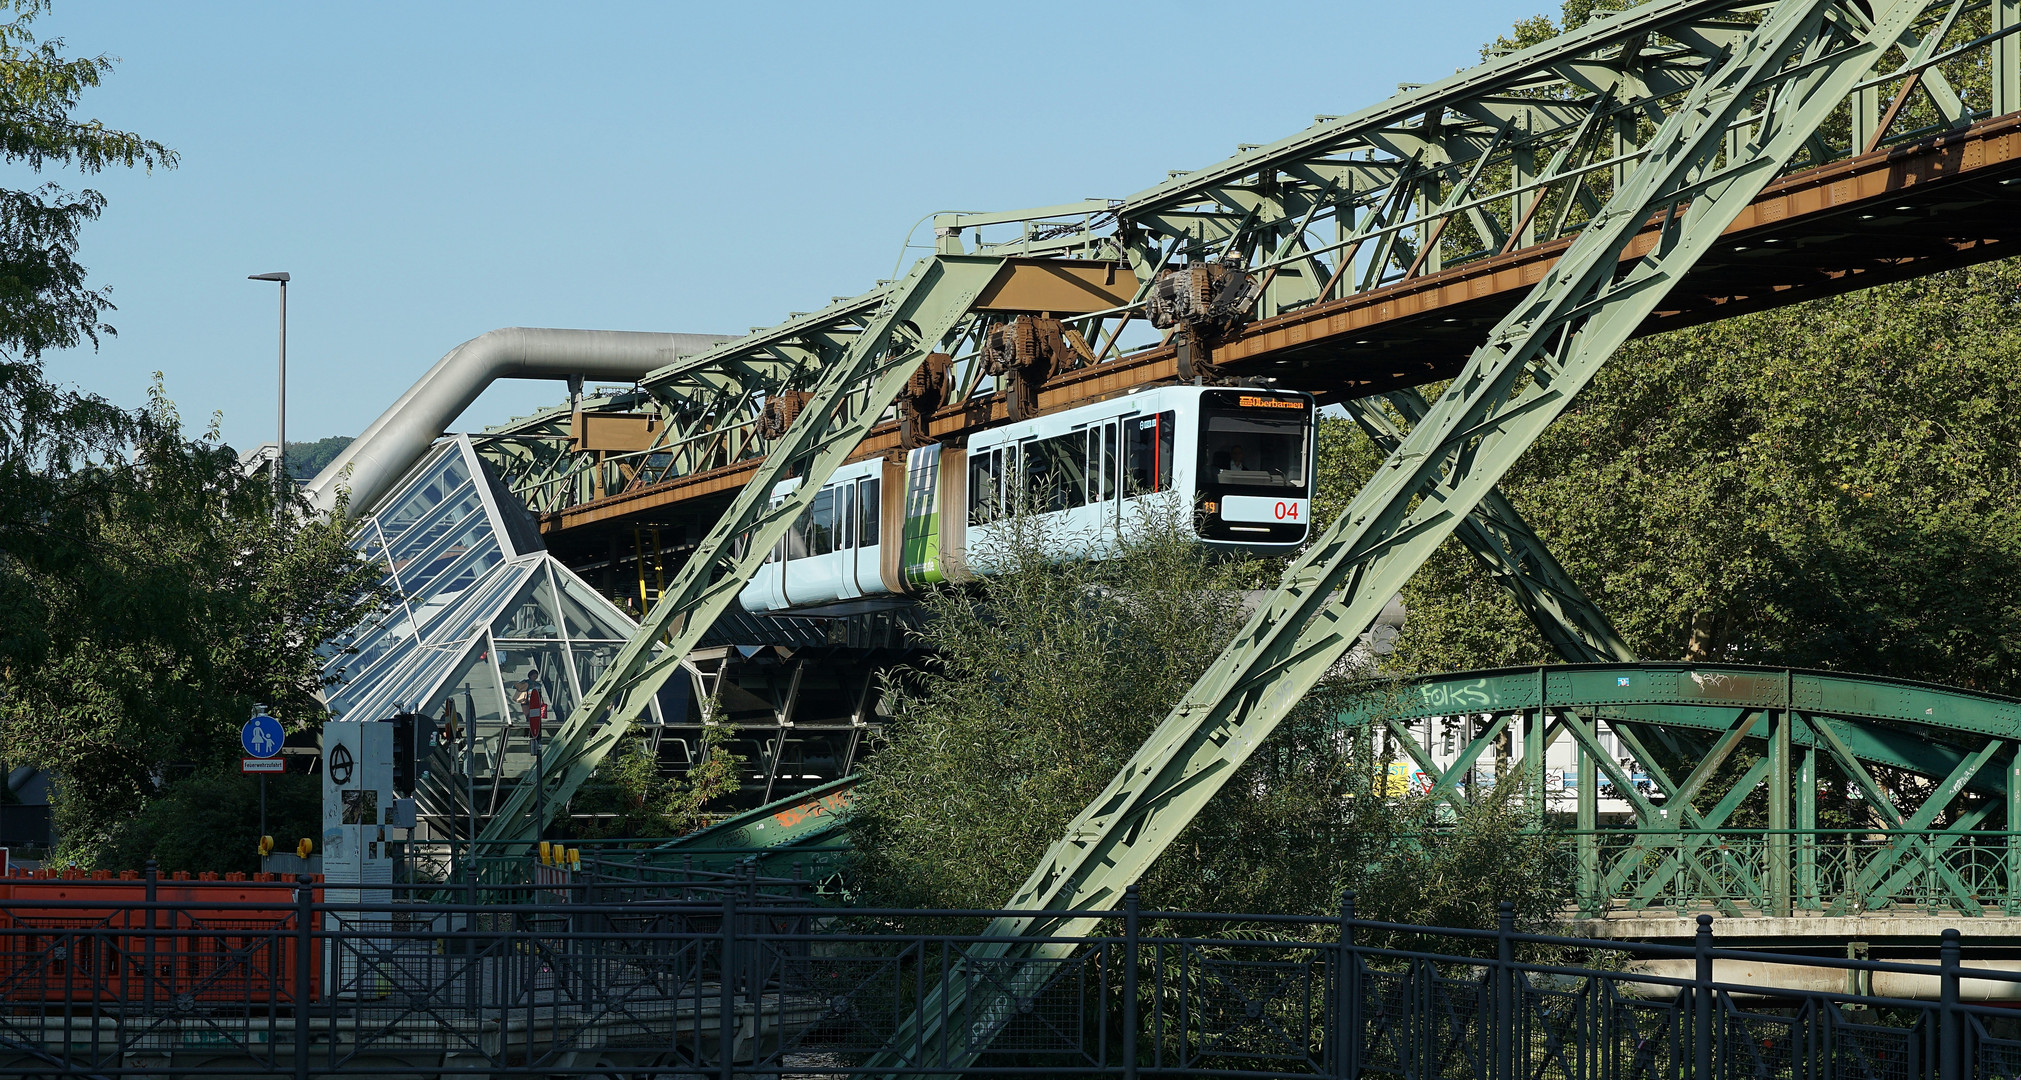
[281,413]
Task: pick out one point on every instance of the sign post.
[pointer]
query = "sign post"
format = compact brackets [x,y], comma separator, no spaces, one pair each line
[262,739]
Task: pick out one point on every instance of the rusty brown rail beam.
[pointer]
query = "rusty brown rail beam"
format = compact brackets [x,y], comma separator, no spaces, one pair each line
[1883,216]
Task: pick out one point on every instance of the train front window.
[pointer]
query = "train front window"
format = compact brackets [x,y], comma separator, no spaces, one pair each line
[1259,450]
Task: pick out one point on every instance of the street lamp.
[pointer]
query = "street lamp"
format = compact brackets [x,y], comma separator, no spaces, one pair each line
[281,421]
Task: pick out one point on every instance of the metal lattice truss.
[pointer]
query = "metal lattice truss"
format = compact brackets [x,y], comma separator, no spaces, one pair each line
[1631,142]
[1518,152]
[1725,99]
[1921,847]
[872,355]
[1741,121]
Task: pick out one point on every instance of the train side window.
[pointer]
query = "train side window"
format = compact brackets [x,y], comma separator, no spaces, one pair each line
[821,523]
[866,512]
[797,537]
[1147,452]
[1107,461]
[1056,472]
[845,517]
[985,480]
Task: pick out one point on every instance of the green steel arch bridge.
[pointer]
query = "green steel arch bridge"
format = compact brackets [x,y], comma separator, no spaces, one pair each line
[1505,228]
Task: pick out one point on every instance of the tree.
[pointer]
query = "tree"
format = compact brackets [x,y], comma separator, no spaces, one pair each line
[644,802]
[1047,675]
[201,823]
[49,434]
[306,459]
[1830,484]
[193,601]
[150,592]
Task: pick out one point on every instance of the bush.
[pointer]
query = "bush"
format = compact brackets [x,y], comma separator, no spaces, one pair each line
[1047,676]
[211,821]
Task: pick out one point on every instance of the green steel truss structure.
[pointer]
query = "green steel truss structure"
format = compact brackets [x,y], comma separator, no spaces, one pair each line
[1750,110]
[1652,128]
[1796,805]
[1777,737]
[865,356]
[1516,152]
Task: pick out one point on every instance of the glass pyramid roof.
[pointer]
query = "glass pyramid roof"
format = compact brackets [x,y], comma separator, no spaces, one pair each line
[488,626]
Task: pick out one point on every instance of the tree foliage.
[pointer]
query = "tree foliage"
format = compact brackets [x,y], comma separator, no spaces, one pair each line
[1831,484]
[206,822]
[150,592]
[643,801]
[1047,675]
[193,601]
[306,459]
[49,434]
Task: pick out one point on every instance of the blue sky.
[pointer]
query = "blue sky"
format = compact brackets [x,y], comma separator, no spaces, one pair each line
[430,171]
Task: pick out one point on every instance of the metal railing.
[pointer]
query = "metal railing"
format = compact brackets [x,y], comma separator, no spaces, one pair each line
[1620,871]
[661,984]
[1798,871]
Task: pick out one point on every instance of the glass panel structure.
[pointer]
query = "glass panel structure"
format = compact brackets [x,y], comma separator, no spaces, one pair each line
[489,632]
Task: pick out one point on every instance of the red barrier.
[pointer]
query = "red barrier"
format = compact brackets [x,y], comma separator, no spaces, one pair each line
[101,946]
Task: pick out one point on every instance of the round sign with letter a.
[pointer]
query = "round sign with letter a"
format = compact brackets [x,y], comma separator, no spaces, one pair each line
[261,736]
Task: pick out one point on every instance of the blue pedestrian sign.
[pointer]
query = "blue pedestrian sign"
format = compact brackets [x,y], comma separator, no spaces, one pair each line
[262,736]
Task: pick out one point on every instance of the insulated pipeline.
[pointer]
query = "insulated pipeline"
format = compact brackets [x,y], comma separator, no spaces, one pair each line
[384,451]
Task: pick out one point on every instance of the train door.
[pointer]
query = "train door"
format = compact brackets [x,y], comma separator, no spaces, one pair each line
[844,523]
[782,552]
[771,577]
[866,574]
[1103,477]
[814,569]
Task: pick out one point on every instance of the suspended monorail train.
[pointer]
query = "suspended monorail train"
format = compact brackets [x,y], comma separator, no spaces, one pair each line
[880,530]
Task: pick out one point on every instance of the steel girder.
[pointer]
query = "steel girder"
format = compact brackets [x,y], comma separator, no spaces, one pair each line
[910,319]
[1769,94]
[1517,151]
[1435,175]
[1512,552]
[1744,117]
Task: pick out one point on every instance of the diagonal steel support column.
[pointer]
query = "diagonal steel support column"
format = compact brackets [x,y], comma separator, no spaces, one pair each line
[1763,99]
[1504,543]
[847,399]
[1498,536]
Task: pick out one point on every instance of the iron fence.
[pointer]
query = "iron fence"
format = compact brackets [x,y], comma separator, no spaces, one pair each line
[1953,872]
[738,982]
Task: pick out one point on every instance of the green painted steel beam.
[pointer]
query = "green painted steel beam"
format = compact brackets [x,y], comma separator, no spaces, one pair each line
[1704,697]
[800,833]
[851,394]
[1801,61]
[795,820]
[1512,552]
[1751,112]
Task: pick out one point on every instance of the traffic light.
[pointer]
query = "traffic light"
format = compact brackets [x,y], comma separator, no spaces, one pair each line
[413,743]
[403,753]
